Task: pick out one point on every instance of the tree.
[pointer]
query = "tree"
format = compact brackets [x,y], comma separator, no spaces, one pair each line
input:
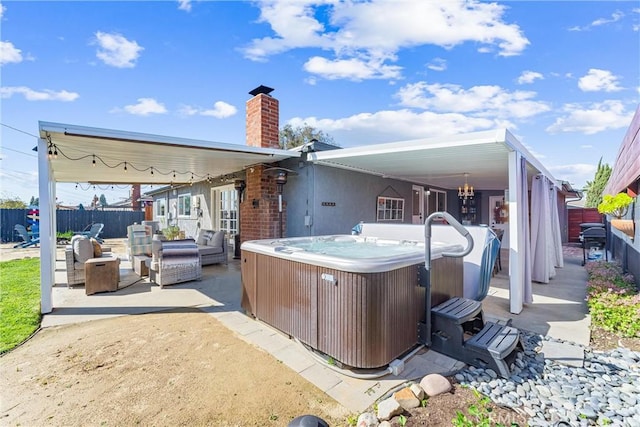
[103,200]
[12,203]
[596,187]
[291,137]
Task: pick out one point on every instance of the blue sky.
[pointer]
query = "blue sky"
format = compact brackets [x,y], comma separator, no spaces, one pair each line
[563,76]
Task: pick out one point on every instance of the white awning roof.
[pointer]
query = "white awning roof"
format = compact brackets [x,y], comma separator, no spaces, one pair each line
[440,162]
[77,145]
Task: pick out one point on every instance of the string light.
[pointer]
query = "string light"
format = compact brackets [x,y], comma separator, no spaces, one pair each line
[53,152]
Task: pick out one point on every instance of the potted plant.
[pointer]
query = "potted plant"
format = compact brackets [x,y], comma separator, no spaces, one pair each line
[618,206]
[171,232]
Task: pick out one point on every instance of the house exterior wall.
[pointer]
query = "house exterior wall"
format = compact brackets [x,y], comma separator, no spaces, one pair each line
[336,199]
[625,176]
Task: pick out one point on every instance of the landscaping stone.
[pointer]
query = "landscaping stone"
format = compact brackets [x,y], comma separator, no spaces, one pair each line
[388,409]
[435,384]
[367,419]
[406,398]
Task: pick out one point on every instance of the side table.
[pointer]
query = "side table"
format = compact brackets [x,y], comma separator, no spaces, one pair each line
[141,264]
[101,274]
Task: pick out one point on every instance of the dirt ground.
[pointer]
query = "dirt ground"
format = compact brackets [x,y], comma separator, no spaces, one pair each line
[180,367]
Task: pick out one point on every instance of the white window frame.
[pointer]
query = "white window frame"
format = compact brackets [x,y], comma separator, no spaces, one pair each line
[390,209]
[161,207]
[438,194]
[184,205]
[225,200]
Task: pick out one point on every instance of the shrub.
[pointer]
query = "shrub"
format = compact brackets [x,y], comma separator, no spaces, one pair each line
[613,301]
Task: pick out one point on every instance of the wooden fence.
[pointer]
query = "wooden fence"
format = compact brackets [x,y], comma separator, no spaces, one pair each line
[115,222]
[579,215]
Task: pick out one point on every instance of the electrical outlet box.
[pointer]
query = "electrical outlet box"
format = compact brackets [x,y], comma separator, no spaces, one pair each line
[397,366]
[307,221]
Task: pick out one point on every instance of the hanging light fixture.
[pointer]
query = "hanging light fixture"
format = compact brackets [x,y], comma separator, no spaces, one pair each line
[465,192]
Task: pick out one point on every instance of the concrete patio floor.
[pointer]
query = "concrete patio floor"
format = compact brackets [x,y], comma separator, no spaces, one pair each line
[559,310]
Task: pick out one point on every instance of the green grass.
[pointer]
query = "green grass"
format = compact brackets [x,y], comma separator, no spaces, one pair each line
[19,301]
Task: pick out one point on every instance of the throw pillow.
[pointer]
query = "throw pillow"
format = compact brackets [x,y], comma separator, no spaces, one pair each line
[97,249]
[82,248]
[217,239]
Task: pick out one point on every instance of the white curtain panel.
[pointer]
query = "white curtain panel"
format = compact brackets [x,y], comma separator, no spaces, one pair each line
[555,228]
[542,241]
[523,201]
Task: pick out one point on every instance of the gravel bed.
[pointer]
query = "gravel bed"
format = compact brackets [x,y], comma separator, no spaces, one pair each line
[605,391]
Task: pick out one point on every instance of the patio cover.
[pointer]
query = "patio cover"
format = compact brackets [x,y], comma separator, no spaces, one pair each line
[494,160]
[150,159]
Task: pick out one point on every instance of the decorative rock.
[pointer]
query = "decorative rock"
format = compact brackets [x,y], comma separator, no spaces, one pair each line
[406,399]
[385,424]
[367,419]
[388,409]
[435,384]
[418,391]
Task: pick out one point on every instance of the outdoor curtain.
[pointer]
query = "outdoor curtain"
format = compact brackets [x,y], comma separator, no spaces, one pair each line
[523,230]
[546,244]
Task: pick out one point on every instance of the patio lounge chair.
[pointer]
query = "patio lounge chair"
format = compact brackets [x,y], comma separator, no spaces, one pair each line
[28,239]
[94,231]
[174,261]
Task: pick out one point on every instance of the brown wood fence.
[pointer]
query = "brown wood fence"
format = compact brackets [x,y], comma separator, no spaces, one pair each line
[579,215]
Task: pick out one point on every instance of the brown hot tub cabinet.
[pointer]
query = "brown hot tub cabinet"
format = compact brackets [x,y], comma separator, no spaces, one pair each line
[361,319]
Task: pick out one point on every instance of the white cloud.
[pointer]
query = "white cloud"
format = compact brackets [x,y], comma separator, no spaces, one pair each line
[373,32]
[592,119]
[145,107]
[394,125]
[352,69]
[220,110]
[599,80]
[34,95]
[437,64]
[184,5]
[615,17]
[116,50]
[586,146]
[3,9]
[529,77]
[576,174]
[9,53]
[482,101]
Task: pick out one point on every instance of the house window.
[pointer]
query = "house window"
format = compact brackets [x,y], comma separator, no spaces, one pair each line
[184,205]
[436,202]
[161,207]
[390,209]
[226,199]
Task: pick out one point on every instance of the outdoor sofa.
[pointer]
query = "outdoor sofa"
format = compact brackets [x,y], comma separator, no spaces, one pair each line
[212,246]
[174,261]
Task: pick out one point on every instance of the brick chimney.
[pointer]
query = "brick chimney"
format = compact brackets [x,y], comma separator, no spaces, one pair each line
[263,119]
[259,213]
[135,195]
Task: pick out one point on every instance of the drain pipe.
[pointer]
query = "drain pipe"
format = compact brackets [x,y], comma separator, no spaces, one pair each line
[367,376]
[424,329]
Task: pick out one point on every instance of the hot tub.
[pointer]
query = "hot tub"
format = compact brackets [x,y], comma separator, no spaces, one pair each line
[356,299]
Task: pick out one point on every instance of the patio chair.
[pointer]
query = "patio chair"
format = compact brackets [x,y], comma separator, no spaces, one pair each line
[28,239]
[93,232]
[138,240]
[174,261]
[80,250]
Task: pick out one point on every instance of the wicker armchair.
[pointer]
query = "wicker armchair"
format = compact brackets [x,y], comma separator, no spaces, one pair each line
[174,261]
[80,250]
[138,240]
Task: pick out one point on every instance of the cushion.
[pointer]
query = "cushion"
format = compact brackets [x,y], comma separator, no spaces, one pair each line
[209,250]
[97,249]
[204,236]
[82,248]
[217,239]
